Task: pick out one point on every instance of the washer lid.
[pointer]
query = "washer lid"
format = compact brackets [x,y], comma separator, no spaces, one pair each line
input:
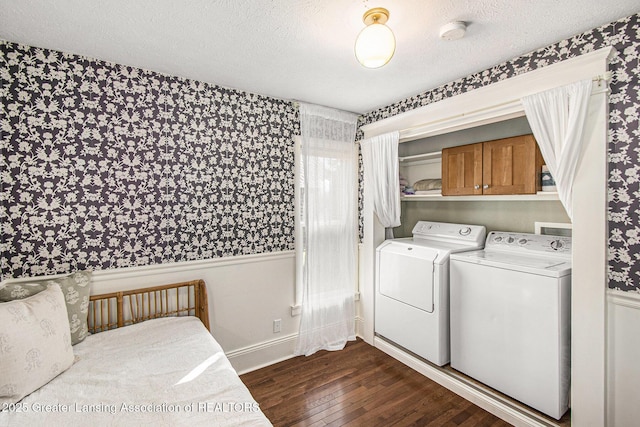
[545,266]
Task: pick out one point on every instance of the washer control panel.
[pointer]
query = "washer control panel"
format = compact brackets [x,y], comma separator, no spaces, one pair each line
[528,243]
[445,231]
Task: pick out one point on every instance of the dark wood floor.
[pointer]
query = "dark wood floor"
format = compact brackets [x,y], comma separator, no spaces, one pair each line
[358,386]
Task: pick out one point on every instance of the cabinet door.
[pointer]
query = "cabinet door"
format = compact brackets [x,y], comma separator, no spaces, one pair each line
[511,166]
[462,170]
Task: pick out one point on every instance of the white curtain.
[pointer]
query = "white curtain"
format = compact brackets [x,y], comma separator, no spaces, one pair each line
[380,158]
[557,118]
[329,229]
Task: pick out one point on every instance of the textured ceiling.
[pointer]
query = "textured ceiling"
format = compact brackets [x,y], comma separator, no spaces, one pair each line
[303,49]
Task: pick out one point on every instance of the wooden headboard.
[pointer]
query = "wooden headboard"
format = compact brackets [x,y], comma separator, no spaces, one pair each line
[117,309]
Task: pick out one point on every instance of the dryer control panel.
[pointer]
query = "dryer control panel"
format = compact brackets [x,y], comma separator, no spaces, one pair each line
[455,233]
[528,243]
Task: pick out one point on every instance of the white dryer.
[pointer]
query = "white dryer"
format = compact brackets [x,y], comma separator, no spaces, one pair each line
[412,286]
[510,317]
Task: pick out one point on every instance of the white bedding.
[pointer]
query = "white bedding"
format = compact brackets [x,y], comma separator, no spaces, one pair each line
[167,371]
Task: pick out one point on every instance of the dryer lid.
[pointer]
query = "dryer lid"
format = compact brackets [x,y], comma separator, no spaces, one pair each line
[434,250]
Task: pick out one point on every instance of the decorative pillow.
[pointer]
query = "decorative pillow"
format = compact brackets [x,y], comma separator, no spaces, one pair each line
[428,184]
[75,287]
[35,344]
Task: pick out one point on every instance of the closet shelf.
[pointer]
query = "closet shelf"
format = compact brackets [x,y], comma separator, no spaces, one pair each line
[540,196]
[435,155]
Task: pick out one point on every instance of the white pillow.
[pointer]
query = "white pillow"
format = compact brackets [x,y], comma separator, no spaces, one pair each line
[35,343]
[75,288]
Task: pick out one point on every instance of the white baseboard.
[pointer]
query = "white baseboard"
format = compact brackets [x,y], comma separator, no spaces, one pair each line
[491,404]
[266,353]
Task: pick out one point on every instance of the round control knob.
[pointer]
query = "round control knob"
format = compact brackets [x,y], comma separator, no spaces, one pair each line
[522,241]
[510,239]
[465,231]
[497,239]
[557,245]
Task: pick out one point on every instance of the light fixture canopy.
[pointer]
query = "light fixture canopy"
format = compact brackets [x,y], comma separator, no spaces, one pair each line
[376,43]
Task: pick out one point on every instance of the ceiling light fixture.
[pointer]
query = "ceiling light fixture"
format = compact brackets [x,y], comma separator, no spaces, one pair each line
[376,43]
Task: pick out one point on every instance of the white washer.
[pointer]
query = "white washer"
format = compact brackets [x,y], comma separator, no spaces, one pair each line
[510,317]
[412,286]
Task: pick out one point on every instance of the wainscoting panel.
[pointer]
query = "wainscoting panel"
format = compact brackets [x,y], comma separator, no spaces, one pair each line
[623,356]
[246,294]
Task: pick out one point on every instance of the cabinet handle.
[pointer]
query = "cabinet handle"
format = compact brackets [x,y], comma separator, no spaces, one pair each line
[477,186]
[485,186]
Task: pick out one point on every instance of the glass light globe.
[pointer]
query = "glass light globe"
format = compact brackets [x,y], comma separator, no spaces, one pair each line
[375,45]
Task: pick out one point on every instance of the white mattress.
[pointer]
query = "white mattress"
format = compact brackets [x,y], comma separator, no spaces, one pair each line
[171,368]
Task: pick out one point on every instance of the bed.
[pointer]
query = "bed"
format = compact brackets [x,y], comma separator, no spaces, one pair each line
[150,360]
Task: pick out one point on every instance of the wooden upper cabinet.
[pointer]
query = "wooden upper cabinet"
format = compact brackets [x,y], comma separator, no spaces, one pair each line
[462,170]
[511,166]
[504,166]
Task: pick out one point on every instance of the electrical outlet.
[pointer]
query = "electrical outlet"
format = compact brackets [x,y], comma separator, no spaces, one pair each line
[277,325]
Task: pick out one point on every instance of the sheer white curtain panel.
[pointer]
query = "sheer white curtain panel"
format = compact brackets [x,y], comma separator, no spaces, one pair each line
[557,118]
[329,228]
[380,160]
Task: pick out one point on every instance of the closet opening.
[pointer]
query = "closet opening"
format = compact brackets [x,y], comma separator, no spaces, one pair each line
[496,103]
[421,167]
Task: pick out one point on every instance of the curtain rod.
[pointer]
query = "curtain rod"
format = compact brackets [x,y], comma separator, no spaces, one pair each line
[598,79]
[605,77]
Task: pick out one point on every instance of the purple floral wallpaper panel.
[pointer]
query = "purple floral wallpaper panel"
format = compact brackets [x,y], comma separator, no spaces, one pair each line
[624,134]
[107,166]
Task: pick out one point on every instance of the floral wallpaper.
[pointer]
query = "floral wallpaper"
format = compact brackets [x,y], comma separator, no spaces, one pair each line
[624,134]
[106,166]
